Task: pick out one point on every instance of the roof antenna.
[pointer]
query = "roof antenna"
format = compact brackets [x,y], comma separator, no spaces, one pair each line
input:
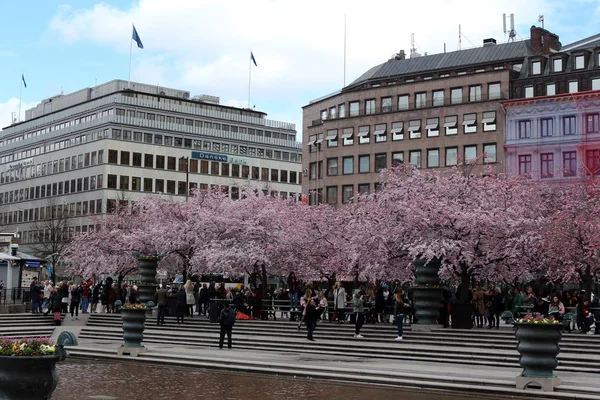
[459,37]
[541,20]
[511,33]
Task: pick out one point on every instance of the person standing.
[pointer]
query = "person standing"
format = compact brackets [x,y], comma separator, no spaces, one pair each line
[517,303]
[162,300]
[181,305]
[85,296]
[399,314]
[35,292]
[226,320]
[339,301]
[479,305]
[189,298]
[75,300]
[56,305]
[311,314]
[359,311]
[497,304]
[203,300]
[47,293]
[96,296]
[64,292]
[293,287]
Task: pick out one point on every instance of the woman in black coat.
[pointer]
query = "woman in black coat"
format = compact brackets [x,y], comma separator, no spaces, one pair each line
[56,304]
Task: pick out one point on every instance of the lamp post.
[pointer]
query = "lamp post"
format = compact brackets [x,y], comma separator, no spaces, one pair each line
[187,176]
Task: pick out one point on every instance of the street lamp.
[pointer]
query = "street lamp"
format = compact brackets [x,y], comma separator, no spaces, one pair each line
[187,176]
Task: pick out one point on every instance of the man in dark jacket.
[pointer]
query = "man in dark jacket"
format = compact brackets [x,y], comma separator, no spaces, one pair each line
[226,320]
[162,300]
[181,304]
[203,299]
[35,296]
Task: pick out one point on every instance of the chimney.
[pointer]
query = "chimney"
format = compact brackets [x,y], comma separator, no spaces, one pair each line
[543,41]
[489,42]
[401,55]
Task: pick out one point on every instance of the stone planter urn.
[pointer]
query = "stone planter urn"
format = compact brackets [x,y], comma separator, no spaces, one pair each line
[538,347]
[427,293]
[134,321]
[147,287]
[24,378]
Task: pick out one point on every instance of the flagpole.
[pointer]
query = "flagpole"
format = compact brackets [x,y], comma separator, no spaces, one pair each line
[344,50]
[249,75]
[20,96]
[130,50]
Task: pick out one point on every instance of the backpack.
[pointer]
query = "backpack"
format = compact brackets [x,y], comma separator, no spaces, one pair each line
[228,317]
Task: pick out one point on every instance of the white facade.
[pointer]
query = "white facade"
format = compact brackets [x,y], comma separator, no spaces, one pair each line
[80,153]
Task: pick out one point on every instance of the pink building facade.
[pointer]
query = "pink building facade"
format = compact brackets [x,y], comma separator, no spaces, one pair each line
[554,137]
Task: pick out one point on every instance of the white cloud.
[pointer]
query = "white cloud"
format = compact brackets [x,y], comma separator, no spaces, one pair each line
[10,106]
[204,46]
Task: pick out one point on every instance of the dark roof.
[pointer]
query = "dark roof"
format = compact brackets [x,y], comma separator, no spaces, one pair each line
[445,61]
[587,43]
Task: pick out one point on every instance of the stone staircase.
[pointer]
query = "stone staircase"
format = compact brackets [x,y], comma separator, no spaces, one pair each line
[579,353]
[26,325]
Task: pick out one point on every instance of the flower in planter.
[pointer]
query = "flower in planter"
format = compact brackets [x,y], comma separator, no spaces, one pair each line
[41,346]
[134,307]
[537,319]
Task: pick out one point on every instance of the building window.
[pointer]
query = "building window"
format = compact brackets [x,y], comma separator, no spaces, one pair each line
[380,162]
[397,131]
[525,164]
[451,125]
[557,65]
[311,143]
[550,89]
[547,165]
[528,91]
[596,84]
[364,188]
[332,138]
[433,158]
[331,194]
[363,134]
[489,153]
[348,165]
[470,155]
[380,133]
[470,123]
[148,160]
[348,136]
[591,123]
[494,91]
[342,110]
[332,166]
[546,127]
[124,158]
[386,104]
[475,93]
[421,100]
[593,161]
[124,182]
[570,163]
[456,96]
[415,158]
[332,113]
[111,183]
[347,193]
[573,87]
[403,101]
[370,106]
[397,158]
[432,127]
[323,115]
[536,67]
[489,121]
[451,156]
[354,108]
[363,163]
[524,129]
[569,125]
[160,162]
[414,129]
[171,162]
[438,98]
[579,62]
[113,157]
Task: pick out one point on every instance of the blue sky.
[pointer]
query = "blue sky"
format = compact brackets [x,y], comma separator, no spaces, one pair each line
[204,46]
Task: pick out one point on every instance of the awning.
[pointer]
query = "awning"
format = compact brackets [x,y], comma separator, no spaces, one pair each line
[378,132]
[450,122]
[432,125]
[331,135]
[6,256]
[489,118]
[397,128]
[312,141]
[364,132]
[414,128]
[347,134]
[320,139]
[469,119]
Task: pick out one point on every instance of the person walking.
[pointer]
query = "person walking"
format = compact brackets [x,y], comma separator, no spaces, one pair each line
[181,305]
[226,320]
[162,300]
[399,314]
[85,296]
[311,314]
[339,302]
[359,311]
[189,298]
[75,300]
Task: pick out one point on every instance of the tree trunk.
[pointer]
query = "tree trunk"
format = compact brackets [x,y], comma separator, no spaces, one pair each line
[465,281]
[588,282]
[119,287]
[264,278]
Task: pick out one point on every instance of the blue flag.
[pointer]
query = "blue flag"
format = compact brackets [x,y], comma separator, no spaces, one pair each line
[137,39]
[253,59]
[23,78]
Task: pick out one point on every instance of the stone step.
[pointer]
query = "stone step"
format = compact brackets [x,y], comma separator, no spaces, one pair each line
[460,384]
[26,332]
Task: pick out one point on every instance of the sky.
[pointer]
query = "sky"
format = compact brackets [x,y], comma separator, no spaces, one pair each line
[204,46]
